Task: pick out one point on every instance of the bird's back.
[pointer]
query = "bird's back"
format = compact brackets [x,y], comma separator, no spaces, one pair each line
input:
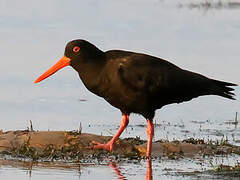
[148,82]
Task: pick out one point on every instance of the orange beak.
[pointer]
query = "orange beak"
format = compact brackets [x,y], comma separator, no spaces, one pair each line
[64,61]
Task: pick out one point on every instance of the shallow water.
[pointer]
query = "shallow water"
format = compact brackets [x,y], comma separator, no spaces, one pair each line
[164,168]
[197,38]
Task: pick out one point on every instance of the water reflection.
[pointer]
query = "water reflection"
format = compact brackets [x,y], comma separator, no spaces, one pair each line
[121,177]
[82,170]
[45,167]
[149,170]
[117,171]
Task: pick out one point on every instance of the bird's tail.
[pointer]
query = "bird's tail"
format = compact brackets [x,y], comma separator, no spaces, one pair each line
[222,88]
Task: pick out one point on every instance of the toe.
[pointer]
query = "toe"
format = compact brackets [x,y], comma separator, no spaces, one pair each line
[96,143]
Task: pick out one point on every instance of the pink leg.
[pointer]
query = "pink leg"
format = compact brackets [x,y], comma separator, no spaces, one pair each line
[109,145]
[150,133]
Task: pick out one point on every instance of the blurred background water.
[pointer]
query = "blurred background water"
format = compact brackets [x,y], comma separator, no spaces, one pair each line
[190,34]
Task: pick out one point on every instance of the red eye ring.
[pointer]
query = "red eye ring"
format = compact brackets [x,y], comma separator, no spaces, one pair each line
[76,49]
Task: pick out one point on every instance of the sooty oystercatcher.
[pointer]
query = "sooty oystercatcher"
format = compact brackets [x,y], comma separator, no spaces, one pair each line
[135,82]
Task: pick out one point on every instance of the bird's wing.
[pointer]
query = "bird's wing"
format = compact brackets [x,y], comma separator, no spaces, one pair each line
[163,81]
[145,73]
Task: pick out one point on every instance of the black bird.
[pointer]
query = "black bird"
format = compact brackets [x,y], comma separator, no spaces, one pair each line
[135,82]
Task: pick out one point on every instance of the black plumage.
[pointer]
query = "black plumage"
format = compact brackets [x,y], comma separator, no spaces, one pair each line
[139,83]
[135,82]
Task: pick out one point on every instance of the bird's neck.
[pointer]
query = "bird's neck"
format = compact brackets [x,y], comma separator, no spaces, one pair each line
[90,74]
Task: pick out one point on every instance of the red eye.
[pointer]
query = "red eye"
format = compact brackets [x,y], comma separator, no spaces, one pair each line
[76,49]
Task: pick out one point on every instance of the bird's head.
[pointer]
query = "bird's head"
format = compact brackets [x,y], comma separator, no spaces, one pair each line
[76,53]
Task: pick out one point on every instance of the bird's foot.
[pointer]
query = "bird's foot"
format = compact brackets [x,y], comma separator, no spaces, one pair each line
[108,146]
